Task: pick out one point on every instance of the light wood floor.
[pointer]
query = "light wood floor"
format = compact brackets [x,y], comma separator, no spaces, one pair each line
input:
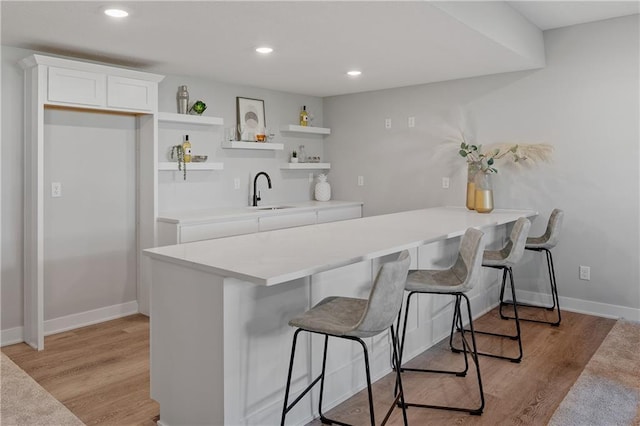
[101,373]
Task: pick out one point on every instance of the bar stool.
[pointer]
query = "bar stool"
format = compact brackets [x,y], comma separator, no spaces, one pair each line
[504,259]
[354,319]
[545,243]
[456,281]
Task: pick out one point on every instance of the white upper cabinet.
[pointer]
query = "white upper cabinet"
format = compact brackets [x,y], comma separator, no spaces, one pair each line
[86,85]
[76,87]
[131,93]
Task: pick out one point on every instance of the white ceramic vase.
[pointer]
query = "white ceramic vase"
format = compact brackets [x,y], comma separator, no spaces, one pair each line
[323,189]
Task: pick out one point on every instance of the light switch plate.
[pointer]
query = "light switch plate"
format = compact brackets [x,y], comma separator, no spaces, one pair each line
[56,189]
[585,273]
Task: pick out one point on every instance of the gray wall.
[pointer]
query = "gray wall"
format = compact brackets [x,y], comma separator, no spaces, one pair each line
[585,103]
[89,232]
[12,182]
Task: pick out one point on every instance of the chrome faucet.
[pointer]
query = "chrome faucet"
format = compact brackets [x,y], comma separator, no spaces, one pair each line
[256,195]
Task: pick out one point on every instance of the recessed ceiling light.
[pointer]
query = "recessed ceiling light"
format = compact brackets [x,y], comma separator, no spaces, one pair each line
[264,50]
[116,13]
[354,73]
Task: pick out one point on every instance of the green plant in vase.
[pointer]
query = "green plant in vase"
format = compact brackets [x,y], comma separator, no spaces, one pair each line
[179,153]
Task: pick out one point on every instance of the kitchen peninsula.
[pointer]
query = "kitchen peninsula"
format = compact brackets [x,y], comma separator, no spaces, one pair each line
[219,309]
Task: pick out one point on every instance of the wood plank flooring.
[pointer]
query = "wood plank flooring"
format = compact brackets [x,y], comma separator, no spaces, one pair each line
[101,373]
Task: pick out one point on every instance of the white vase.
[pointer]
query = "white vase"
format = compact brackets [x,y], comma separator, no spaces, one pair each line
[323,189]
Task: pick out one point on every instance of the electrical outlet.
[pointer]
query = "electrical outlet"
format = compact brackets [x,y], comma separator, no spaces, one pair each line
[310,177]
[387,123]
[360,180]
[445,183]
[585,273]
[56,189]
[411,122]
[236,183]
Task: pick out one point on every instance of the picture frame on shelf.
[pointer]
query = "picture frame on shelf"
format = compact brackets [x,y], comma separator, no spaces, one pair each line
[251,118]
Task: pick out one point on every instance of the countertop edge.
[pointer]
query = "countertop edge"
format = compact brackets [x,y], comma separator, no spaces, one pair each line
[239,213]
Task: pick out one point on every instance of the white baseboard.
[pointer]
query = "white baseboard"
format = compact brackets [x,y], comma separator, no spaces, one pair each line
[581,306]
[71,322]
[11,336]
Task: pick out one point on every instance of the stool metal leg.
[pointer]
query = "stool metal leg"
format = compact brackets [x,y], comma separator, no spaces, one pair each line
[323,419]
[455,316]
[400,395]
[514,303]
[554,294]
[321,377]
[468,349]
[286,408]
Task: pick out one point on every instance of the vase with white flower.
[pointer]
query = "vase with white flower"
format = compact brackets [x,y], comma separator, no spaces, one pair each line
[481,166]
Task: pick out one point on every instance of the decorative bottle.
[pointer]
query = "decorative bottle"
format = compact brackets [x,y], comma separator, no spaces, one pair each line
[186,149]
[323,189]
[302,155]
[183,99]
[304,116]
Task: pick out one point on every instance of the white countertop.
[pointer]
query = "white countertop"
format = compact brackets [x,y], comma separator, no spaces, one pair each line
[274,257]
[212,215]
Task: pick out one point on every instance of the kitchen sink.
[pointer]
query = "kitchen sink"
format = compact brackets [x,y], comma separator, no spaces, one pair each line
[273,207]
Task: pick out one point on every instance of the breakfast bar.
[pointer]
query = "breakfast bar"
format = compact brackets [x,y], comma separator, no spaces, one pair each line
[219,310]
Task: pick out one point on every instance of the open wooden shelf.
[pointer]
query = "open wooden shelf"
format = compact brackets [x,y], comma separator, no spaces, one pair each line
[169,117]
[169,165]
[253,145]
[292,128]
[305,166]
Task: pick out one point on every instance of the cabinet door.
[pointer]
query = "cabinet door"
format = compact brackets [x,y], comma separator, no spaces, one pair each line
[208,231]
[270,223]
[130,93]
[342,213]
[76,87]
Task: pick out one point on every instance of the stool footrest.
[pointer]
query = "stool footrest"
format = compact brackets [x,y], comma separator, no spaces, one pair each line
[327,421]
[528,305]
[422,370]
[512,359]
[547,308]
[508,336]
[474,411]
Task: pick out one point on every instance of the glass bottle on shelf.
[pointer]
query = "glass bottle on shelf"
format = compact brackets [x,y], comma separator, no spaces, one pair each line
[304,116]
[186,149]
[302,155]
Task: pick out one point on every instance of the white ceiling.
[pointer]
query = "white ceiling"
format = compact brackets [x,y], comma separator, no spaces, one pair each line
[394,43]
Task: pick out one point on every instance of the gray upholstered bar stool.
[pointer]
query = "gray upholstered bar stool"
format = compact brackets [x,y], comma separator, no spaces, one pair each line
[504,259]
[354,319]
[545,243]
[456,281]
